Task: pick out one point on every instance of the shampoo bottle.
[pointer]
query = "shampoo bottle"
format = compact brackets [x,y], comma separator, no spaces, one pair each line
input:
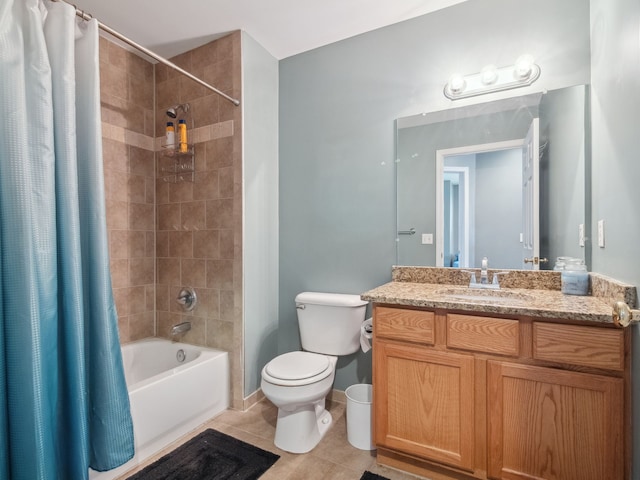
[170,136]
[182,133]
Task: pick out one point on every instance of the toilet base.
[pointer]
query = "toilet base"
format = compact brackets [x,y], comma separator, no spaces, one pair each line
[300,430]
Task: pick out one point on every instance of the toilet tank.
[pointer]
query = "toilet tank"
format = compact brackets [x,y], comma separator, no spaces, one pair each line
[330,322]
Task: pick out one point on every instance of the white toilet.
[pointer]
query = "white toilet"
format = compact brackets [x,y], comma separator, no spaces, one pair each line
[298,382]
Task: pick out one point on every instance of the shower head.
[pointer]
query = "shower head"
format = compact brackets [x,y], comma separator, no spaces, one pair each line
[173,111]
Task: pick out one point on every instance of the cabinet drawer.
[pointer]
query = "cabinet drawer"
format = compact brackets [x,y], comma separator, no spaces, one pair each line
[579,345]
[483,334]
[402,324]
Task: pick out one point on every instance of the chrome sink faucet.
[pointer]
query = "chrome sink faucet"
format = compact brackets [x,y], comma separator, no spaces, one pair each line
[484,275]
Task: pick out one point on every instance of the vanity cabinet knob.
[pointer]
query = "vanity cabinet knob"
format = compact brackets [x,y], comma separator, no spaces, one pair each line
[623,316]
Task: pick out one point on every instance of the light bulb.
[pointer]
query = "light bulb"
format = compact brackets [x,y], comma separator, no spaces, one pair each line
[489,75]
[523,67]
[456,83]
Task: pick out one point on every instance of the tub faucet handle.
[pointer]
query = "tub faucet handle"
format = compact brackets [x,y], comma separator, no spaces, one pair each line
[187,298]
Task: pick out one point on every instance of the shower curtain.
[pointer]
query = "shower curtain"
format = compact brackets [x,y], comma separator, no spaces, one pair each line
[63,401]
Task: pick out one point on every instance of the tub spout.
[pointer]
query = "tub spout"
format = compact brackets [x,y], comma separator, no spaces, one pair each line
[180,328]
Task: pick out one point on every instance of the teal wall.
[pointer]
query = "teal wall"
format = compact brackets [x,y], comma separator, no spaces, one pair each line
[616,136]
[337,109]
[615,61]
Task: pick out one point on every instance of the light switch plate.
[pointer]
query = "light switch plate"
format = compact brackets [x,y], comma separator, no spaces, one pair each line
[581,234]
[427,238]
[601,233]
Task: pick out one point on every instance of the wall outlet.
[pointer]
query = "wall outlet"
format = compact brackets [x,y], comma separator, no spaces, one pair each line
[427,238]
[601,233]
[581,234]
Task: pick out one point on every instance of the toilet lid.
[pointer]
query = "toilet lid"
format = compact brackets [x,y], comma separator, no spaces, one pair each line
[297,365]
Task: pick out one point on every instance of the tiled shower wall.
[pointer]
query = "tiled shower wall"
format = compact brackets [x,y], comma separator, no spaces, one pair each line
[199,224]
[126,84]
[164,235]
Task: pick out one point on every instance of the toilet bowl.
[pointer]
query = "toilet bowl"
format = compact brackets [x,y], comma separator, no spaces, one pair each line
[298,382]
[300,397]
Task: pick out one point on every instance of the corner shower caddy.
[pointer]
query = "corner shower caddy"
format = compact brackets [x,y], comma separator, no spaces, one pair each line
[178,166]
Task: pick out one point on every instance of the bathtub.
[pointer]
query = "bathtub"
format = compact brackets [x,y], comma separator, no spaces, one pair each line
[169,397]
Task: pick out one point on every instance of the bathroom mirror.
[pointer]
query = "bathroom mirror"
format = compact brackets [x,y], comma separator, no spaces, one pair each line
[460,182]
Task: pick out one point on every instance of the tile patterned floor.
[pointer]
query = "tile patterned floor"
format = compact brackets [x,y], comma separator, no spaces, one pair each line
[334,458]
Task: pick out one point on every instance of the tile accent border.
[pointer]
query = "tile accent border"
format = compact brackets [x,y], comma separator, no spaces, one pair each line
[198,135]
[203,134]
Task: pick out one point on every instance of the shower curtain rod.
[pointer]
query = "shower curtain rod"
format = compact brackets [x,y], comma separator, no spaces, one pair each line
[85,16]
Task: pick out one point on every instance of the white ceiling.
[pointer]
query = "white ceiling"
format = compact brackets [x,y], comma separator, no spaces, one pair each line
[283,27]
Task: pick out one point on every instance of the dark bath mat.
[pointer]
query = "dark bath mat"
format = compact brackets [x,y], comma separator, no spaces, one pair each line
[212,455]
[367,475]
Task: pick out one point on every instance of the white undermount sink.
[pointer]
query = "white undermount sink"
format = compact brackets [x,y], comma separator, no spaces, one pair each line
[502,297]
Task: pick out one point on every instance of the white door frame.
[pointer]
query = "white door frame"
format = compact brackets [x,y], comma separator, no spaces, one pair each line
[440,158]
[464,181]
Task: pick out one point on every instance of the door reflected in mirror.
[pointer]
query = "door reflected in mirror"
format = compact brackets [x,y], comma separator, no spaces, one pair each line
[489,177]
[503,180]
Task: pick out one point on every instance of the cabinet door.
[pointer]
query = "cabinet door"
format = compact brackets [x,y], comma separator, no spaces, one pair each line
[424,403]
[552,424]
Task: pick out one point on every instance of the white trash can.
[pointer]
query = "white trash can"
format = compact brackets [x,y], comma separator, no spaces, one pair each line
[359,399]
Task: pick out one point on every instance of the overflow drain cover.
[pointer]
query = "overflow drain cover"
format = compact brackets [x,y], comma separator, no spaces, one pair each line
[180,356]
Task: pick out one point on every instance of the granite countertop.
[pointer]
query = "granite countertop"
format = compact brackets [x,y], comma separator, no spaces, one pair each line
[520,301]
[523,293]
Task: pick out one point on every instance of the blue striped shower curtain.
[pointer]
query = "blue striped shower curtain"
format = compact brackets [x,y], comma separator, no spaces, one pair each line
[63,400]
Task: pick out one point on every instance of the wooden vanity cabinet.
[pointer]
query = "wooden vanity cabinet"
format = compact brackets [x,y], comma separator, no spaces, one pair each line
[553,424]
[425,403]
[463,396]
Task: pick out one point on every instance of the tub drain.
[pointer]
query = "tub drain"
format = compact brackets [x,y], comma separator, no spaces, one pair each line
[180,356]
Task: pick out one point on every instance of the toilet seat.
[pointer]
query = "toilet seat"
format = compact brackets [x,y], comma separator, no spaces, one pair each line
[297,368]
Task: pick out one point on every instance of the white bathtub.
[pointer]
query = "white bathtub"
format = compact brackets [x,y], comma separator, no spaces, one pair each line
[170,398]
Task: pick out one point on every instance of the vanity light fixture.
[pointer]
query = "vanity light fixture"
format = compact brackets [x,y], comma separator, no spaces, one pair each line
[491,79]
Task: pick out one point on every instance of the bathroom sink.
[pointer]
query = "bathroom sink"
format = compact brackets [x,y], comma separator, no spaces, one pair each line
[502,297]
